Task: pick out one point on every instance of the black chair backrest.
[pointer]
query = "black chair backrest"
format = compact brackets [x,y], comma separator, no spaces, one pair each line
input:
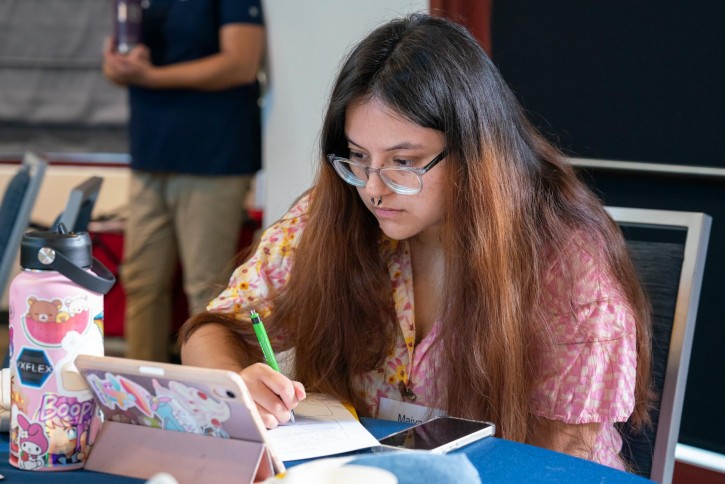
[12,201]
[668,250]
[658,265]
[18,201]
[79,207]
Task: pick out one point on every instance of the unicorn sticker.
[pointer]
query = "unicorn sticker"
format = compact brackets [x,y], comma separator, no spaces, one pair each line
[115,391]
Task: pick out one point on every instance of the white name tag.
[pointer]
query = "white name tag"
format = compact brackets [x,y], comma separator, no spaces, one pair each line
[405,411]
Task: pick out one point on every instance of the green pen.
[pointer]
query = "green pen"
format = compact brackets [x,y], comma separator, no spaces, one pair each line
[263,339]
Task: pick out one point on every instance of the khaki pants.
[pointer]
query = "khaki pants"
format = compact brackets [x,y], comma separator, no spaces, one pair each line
[196,219]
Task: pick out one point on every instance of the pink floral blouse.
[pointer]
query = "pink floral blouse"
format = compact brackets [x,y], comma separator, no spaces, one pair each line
[588,378]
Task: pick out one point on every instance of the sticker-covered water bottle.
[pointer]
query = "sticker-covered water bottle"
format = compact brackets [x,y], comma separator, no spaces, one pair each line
[56,313]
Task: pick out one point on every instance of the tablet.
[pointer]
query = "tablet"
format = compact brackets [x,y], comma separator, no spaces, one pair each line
[203,401]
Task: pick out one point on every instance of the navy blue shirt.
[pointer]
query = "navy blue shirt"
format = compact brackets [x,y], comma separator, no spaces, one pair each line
[189,131]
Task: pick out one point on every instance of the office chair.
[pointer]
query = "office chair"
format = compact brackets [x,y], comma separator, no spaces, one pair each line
[17,203]
[79,207]
[668,250]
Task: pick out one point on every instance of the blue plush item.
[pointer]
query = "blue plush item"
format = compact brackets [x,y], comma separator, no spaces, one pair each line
[417,467]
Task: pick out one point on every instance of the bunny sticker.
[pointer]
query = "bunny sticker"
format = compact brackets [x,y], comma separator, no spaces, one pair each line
[33,444]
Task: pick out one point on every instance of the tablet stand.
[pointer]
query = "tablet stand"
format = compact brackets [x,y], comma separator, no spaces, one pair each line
[136,451]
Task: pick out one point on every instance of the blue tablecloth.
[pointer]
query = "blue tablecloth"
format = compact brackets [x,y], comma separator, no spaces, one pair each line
[497,461]
[502,461]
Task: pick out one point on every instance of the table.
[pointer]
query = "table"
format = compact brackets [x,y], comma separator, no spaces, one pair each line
[503,461]
[497,461]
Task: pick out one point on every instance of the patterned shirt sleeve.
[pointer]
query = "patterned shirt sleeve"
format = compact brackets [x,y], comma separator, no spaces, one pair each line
[268,270]
[589,374]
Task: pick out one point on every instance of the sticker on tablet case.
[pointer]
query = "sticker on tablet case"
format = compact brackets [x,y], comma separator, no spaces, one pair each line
[176,407]
[204,414]
[116,392]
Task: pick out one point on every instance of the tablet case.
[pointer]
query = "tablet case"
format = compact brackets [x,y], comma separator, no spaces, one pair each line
[197,424]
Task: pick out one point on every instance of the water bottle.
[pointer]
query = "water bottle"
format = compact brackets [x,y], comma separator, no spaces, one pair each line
[127,24]
[56,313]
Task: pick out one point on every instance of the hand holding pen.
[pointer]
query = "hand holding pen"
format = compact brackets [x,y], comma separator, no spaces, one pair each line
[270,359]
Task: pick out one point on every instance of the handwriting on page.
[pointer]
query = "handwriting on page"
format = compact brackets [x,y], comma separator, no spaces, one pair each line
[323,427]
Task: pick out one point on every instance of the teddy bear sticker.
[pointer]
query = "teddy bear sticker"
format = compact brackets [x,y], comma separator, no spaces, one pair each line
[48,321]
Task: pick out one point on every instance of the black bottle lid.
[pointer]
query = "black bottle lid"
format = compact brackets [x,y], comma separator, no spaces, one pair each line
[38,248]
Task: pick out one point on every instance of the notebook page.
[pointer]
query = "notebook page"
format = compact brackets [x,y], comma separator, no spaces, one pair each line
[323,426]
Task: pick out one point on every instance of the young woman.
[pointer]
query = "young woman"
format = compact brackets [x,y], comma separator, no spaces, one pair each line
[446,257]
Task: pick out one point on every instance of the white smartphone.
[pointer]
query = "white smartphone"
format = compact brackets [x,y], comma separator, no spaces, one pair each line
[439,435]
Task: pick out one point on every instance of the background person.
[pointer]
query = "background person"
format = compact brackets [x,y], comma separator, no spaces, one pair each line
[195,144]
[446,257]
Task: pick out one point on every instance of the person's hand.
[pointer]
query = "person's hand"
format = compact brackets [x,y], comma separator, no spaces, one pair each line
[275,394]
[134,68]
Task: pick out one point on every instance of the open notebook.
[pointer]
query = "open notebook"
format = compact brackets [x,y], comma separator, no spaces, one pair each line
[139,398]
[323,426]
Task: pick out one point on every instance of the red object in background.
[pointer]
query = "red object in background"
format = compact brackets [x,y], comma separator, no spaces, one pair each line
[108,249]
[476,16]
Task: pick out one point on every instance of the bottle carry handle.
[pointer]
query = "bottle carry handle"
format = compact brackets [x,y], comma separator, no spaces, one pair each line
[99,280]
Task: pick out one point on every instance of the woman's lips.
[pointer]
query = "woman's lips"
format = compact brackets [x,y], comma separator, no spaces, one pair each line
[383,212]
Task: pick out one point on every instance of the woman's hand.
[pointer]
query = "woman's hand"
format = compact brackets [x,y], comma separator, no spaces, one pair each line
[211,346]
[275,394]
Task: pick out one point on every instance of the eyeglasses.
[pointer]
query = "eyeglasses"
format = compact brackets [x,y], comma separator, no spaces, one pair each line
[400,179]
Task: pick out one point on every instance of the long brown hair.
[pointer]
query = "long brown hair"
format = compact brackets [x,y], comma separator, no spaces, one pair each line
[512,205]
